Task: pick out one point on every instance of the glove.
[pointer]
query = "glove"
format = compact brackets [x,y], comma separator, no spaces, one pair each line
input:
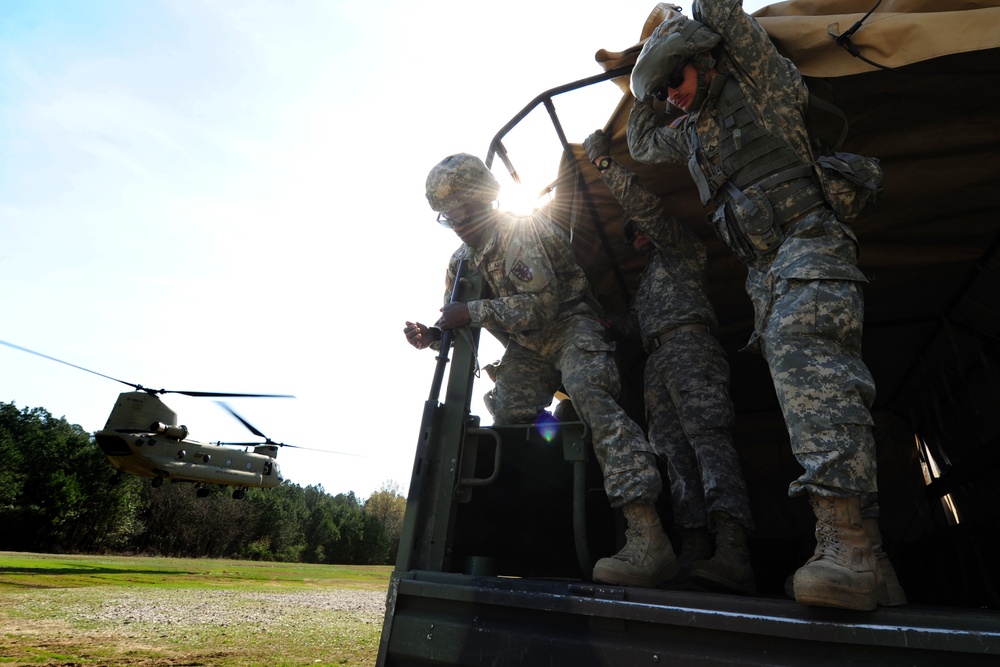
[597,145]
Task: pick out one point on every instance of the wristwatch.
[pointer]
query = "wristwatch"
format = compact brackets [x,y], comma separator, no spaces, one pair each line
[603,163]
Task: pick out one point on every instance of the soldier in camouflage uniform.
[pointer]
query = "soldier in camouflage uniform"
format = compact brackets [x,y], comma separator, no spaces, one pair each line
[688,409]
[541,299]
[745,142]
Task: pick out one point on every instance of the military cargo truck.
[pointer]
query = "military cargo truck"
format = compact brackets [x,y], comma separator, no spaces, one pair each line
[504,522]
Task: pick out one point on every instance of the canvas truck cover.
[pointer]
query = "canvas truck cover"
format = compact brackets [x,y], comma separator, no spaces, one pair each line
[898,32]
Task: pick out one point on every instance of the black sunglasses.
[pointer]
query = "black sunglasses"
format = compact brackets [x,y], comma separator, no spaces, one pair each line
[675,81]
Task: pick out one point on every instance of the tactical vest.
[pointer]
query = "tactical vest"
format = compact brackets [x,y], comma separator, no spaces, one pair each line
[756,182]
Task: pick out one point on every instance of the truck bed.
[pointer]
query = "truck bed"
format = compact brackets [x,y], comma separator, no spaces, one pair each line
[455,619]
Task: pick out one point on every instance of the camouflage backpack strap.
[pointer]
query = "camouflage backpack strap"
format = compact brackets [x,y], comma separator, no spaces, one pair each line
[708,174]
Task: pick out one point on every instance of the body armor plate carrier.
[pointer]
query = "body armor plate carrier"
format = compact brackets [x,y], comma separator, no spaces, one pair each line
[756,182]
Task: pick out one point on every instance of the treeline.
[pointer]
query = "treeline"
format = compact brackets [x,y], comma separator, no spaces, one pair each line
[59,494]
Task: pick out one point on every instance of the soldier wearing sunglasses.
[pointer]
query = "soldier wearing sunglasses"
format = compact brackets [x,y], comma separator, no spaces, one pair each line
[743,137]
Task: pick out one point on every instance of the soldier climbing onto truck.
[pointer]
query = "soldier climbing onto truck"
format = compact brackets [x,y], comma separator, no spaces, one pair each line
[540,297]
[744,139]
[689,412]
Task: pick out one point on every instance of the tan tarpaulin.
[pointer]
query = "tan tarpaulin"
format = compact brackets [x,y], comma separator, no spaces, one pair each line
[898,33]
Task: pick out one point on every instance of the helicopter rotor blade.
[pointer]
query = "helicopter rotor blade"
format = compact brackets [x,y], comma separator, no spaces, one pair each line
[139,387]
[216,394]
[282,444]
[249,426]
[45,356]
[253,429]
[316,449]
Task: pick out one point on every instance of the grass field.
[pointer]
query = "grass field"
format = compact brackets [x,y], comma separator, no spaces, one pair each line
[116,611]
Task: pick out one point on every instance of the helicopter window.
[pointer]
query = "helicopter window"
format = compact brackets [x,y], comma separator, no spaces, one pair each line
[249,466]
[229,462]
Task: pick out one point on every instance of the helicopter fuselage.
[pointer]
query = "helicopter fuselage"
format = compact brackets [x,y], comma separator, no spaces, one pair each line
[141,438]
[149,454]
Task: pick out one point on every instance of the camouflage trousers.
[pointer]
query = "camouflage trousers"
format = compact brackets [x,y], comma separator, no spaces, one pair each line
[578,358]
[690,417]
[809,312]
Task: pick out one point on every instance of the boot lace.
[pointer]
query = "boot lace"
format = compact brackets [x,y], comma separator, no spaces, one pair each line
[634,550]
[828,543]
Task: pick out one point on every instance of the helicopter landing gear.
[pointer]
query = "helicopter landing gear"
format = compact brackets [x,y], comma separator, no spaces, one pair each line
[157,482]
[203,492]
[239,494]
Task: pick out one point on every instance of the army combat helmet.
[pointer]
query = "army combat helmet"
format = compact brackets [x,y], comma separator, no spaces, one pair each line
[460,179]
[674,43]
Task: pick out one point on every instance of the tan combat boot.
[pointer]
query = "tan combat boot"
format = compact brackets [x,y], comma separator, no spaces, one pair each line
[696,544]
[843,571]
[647,557]
[890,593]
[729,570]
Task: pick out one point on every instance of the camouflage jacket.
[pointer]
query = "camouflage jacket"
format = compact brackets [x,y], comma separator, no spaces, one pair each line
[771,83]
[819,246]
[534,279]
[672,289]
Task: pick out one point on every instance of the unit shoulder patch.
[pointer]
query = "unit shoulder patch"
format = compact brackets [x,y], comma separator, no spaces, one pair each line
[521,271]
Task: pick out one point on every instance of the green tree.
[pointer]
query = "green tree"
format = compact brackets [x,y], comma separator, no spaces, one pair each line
[179,523]
[57,490]
[387,506]
[321,531]
[363,539]
[12,471]
[373,549]
[281,521]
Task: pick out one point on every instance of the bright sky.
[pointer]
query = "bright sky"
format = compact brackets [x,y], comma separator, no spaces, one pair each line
[228,196]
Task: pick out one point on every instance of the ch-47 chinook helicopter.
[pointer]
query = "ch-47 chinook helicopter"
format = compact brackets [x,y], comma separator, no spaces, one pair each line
[142,437]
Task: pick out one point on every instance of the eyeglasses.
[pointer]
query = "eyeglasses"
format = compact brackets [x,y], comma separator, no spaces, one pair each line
[463,214]
[675,81]
[451,223]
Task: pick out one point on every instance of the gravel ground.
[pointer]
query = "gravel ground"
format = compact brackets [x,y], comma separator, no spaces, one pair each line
[200,607]
[189,625]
